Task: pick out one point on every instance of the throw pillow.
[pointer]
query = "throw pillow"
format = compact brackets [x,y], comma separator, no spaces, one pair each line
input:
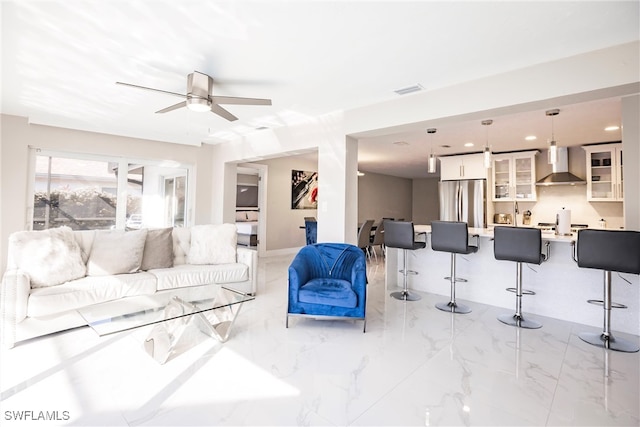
[181,245]
[158,249]
[252,216]
[116,252]
[241,216]
[213,244]
[49,257]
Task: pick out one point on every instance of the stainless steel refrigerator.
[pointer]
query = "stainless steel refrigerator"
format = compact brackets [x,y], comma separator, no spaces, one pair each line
[464,201]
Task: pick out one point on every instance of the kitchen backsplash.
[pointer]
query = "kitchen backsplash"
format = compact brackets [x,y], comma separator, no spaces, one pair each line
[553,198]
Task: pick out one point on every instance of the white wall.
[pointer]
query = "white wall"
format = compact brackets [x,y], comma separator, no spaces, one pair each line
[631,150]
[599,74]
[426,202]
[245,179]
[383,196]
[283,223]
[17,135]
[594,75]
[337,167]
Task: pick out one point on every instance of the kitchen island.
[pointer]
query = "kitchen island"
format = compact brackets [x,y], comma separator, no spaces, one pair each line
[562,288]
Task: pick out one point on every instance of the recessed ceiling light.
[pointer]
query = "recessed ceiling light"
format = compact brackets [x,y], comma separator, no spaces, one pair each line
[401,143]
[611,128]
[530,138]
[468,144]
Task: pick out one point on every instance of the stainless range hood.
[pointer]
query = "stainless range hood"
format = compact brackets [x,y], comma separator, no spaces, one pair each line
[561,174]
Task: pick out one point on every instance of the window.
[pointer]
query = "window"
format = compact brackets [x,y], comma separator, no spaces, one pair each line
[87,192]
[175,196]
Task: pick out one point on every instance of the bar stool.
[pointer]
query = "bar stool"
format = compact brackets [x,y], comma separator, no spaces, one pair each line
[608,250]
[400,235]
[364,237]
[519,244]
[453,237]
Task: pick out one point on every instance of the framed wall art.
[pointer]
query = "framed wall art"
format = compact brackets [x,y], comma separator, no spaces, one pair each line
[304,190]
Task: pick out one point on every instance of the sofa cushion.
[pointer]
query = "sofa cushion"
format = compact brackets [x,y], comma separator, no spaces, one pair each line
[158,249]
[328,291]
[213,244]
[116,252]
[181,244]
[49,257]
[88,290]
[193,275]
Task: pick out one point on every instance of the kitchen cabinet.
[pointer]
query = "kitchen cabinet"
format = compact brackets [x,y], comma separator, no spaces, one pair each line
[514,176]
[604,173]
[465,166]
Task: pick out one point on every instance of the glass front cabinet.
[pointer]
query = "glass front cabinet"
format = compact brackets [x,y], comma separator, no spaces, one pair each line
[604,173]
[514,176]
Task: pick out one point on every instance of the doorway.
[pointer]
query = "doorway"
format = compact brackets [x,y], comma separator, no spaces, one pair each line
[258,174]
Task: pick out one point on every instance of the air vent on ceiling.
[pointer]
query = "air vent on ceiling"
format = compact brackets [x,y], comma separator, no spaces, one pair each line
[409,89]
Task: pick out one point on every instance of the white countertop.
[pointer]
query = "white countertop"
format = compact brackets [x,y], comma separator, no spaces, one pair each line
[488,232]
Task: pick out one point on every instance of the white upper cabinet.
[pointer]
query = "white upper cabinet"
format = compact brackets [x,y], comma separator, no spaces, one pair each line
[514,176]
[604,173]
[465,166]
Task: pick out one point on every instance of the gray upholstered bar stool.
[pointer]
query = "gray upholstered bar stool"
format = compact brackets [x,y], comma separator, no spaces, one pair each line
[609,250]
[453,237]
[401,235]
[519,244]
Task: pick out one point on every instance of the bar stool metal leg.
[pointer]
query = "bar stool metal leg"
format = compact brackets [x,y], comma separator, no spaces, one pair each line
[452,306]
[518,319]
[405,295]
[605,338]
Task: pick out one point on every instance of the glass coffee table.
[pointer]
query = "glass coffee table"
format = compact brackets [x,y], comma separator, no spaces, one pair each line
[178,315]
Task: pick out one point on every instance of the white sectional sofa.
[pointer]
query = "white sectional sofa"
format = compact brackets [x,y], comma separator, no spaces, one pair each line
[52,273]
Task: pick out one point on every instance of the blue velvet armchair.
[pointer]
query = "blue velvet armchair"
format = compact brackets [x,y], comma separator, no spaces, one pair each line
[328,281]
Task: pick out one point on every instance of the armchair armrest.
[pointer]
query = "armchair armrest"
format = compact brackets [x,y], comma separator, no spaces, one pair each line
[250,257]
[358,277]
[299,274]
[14,295]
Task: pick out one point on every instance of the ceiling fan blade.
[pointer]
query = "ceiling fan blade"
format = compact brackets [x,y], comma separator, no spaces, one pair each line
[240,101]
[223,113]
[173,107]
[150,88]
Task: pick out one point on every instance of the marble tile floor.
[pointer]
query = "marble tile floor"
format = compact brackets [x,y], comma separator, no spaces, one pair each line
[416,365]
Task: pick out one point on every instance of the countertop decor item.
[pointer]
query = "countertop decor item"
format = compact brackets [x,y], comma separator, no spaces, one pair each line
[563,222]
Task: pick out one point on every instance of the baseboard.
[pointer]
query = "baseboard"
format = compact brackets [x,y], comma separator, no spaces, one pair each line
[279,252]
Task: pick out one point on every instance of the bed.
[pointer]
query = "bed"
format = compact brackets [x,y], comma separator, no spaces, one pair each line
[247,225]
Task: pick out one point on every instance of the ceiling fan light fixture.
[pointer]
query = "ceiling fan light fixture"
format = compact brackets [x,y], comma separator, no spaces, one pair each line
[199,105]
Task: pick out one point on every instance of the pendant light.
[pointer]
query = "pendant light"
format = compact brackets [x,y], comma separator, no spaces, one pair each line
[431,166]
[553,148]
[487,149]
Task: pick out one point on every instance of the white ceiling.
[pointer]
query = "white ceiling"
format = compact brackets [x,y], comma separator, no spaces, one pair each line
[61,59]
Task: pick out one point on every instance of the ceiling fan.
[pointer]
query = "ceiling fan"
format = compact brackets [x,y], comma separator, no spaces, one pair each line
[200,97]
